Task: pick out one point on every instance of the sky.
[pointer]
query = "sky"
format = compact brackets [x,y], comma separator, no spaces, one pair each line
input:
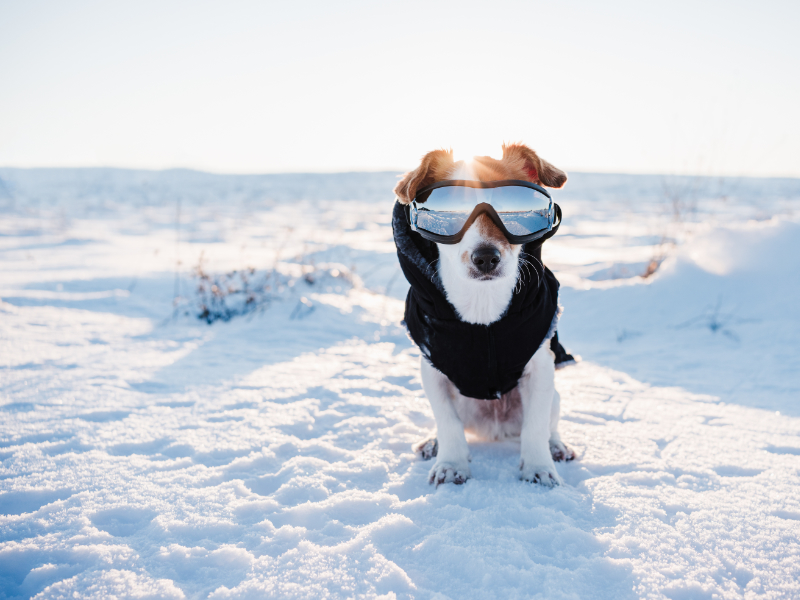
[709,88]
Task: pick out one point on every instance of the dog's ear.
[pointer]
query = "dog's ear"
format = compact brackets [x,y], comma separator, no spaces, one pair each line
[537,169]
[435,166]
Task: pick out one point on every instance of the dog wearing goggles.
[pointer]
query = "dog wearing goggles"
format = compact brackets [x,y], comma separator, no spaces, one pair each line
[461,248]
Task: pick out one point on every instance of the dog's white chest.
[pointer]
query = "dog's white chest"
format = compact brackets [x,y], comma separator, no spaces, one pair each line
[479,302]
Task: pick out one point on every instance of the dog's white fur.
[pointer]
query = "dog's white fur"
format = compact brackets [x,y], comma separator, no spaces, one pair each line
[480,301]
[483,301]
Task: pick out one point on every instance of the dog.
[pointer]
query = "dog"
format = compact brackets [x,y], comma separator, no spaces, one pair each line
[479,276]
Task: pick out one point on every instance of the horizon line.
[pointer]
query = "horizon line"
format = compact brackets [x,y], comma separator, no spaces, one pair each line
[373,171]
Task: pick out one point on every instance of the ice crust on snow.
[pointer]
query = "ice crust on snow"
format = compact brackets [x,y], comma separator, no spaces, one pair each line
[146,454]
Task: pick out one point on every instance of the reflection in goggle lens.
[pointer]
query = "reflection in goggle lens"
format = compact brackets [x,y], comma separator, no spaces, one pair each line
[503,199]
[441,223]
[445,210]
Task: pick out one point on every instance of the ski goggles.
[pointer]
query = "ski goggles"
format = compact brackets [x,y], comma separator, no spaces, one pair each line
[523,211]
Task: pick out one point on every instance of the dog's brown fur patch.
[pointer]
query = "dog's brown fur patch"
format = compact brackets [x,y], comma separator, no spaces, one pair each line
[435,166]
[518,162]
[525,161]
[490,231]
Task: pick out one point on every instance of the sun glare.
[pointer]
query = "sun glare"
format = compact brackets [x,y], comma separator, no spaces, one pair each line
[467,153]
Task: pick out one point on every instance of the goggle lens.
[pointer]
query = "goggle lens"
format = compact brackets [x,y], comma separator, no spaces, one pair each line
[444,211]
[511,198]
[441,223]
[524,223]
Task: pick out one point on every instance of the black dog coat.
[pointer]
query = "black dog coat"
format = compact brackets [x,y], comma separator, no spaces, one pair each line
[482,361]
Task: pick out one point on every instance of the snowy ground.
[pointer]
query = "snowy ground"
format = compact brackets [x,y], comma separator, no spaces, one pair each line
[147,454]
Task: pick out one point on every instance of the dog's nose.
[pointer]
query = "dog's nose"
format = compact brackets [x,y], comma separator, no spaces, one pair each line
[486,258]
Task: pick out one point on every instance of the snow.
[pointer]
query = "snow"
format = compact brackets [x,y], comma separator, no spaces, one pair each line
[147,454]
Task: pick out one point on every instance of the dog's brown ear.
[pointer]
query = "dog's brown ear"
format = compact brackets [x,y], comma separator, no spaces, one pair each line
[537,169]
[435,166]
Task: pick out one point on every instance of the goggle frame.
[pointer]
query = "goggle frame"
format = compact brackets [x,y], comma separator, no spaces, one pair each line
[554,212]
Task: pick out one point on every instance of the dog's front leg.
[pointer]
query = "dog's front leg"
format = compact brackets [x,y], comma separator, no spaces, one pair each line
[537,387]
[452,459]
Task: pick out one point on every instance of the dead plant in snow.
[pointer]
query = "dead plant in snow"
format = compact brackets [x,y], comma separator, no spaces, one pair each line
[223,296]
[679,197]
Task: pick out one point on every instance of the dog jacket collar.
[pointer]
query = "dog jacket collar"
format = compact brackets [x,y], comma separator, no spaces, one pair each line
[482,361]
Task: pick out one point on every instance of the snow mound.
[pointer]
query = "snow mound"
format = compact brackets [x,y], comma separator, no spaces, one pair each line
[720,318]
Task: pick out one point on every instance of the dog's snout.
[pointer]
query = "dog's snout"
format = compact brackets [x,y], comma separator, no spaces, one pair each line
[486,258]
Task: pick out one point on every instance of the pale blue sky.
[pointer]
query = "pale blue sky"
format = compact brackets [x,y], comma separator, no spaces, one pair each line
[668,87]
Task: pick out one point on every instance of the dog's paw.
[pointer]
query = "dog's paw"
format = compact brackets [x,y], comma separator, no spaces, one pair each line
[560,451]
[426,449]
[544,475]
[448,472]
